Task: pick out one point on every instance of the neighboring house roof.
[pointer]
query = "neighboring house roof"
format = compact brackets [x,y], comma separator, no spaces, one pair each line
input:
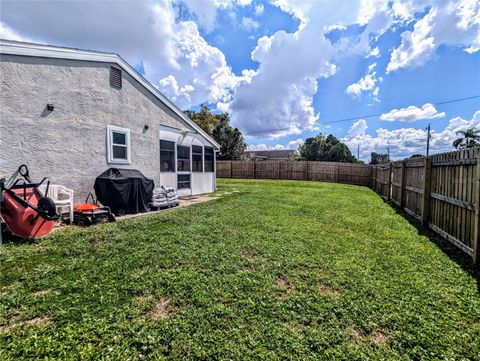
[271,154]
[58,52]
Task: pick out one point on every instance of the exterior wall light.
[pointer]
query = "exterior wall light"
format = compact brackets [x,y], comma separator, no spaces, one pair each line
[50,107]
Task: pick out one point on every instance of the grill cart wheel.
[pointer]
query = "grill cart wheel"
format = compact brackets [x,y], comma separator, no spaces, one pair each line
[88,221]
[111,217]
[47,205]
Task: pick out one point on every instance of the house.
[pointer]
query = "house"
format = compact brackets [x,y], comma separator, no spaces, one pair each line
[282,154]
[70,114]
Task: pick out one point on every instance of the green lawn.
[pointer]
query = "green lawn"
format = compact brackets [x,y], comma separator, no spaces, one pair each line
[270,270]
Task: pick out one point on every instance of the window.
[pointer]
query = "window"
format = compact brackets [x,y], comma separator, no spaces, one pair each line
[118,149]
[115,77]
[183,158]
[197,158]
[209,159]
[183,181]
[167,156]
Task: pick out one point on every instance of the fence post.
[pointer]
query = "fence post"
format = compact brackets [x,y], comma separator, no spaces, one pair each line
[231,170]
[374,177]
[374,171]
[279,165]
[254,164]
[476,229]
[336,172]
[305,170]
[426,192]
[389,189]
[403,184]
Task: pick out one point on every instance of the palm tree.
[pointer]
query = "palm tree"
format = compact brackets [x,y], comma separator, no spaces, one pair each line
[468,138]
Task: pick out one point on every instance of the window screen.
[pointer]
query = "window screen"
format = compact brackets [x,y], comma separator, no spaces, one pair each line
[183,181]
[209,160]
[167,156]
[197,161]
[183,158]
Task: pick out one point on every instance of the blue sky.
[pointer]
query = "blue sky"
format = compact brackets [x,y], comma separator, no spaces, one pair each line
[286,69]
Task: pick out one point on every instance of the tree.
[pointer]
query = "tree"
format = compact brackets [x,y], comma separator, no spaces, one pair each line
[205,119]
[468,139]
[232,144]
[378,158]
[327,149]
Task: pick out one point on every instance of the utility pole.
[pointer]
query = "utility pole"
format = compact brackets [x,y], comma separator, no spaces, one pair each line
[428,139]
[388,152]
[358,152]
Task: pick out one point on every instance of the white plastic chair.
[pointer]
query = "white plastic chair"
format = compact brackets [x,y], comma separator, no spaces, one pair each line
[61,196]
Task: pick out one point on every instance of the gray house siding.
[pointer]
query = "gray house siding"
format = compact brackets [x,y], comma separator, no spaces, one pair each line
[69,144]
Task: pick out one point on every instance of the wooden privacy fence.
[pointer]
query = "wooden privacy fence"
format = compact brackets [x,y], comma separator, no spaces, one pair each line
[358,174]
[442,191]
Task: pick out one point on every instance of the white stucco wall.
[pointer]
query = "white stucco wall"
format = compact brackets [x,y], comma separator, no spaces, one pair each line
[69,144]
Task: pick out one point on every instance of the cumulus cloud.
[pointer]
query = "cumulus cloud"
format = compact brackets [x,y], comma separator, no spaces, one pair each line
[259,8]
[455,23]
[8,33]
[203,73]
[404,142]
[206,11]
[358,128]
[435,23]
[293,145]
[279,99]
[412,114]
[374,53]
[249,24]
[368,84]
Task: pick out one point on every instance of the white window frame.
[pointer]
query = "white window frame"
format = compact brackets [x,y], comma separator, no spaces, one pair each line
[110,130]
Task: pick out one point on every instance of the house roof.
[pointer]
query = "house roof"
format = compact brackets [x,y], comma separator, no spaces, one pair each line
[271,154]
[58,52]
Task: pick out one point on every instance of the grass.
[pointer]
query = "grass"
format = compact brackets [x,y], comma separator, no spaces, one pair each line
[270,270]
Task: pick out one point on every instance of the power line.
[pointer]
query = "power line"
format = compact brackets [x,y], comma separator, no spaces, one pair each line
[366,116]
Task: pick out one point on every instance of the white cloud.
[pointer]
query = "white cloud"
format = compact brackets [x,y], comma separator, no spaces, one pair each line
[339,12]
[455,23]
[358,128]
[375,53]
[249,24]
[367,84]
[279,97]
[376,17]
[203,73]
[259,8]
[412,114]
[404,142]
[452,23]
[9,34]
[293,145]
[206,11]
